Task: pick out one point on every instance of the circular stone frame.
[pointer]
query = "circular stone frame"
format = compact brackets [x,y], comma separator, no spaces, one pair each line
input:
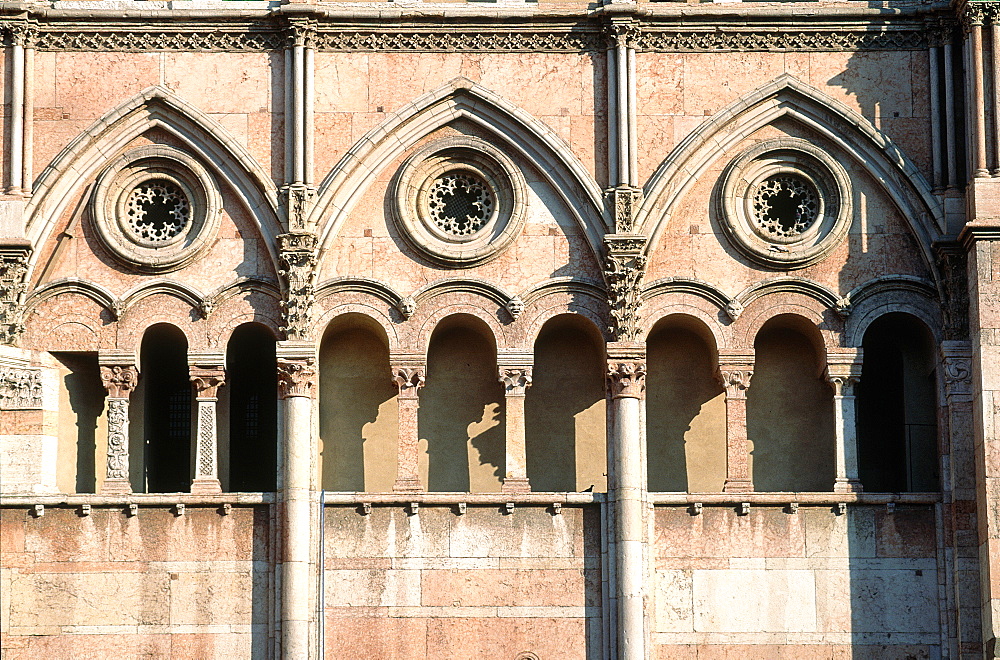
[460,155]
[785,156]
[155,163]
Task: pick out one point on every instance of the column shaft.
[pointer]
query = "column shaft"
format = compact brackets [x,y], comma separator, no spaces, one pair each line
[29,119]
[296,380]
[119,380]
[736,379]
[949,115]
[409,379]
[516,381]
[845,428]
[978,101]
[626,380]
[934,54]
[207,381]
[17,118]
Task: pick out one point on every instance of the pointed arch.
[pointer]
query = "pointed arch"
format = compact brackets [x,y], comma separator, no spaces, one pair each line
[461,98]
[787,96]
[154,107]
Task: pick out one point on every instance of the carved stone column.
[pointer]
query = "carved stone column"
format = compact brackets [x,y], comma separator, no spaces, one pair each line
[626,378]
[735,372]
[207,380]
[408,372]
[843,376]
[516,381]
[119,379]
[14,255]
[296,383]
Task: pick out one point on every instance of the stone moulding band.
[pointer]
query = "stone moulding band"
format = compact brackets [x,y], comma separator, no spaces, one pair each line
[445,40]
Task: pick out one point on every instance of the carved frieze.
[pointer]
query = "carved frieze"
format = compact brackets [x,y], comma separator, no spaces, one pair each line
[13,270]
[20,388]
[297,251]
[673,41]
[142,41]
[296,378]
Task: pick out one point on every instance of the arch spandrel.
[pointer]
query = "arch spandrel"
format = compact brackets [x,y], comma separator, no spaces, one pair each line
[156,108]
[460,100]
[787,98]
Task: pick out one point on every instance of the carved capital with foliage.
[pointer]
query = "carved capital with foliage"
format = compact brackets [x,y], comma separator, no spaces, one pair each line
[626,379]
[515,380]
[297,251]
[623,270]
[119,380]
[207,380]
[296,378]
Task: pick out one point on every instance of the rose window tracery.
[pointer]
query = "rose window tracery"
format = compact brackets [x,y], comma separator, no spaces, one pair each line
[157,210]
[460,203]
[786,205]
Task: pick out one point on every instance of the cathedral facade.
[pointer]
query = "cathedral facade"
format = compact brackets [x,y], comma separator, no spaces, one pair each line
[511,330]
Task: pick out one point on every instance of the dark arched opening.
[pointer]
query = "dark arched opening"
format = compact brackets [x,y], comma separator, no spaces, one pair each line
[166,420]
[251,387]
[897,408]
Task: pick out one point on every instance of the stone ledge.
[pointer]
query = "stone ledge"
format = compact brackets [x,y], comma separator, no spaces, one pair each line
[141,499]
[781,499]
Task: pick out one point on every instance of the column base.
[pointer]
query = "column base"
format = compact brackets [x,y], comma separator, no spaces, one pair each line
[406,485]
[116,487]
[738,486]
[847,486]
[206,487]
[515,485]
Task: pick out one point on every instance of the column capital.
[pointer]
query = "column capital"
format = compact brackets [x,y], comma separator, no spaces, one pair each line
[515,380]
[207,380]
[409,378]
[626,379]
[296,377]
[734,373]
[843,371]
[119,379]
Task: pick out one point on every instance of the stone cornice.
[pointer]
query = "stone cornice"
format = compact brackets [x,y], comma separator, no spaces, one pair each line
[472,29]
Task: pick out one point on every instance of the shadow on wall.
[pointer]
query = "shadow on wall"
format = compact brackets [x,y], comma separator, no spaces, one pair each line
[685,409]
[357,407]
[82,431]
[462,408]
[565,424]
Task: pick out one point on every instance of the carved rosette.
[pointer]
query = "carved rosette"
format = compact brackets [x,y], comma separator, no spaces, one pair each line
[409,380]
[515,380]
[736,381]
[958,376]
[298,258]
[626,378]
[624,267]
[13,271]
[296,378]
[119,380]
[117,438]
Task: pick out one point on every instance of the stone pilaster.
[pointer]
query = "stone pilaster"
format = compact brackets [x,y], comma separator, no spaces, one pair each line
[959,486]
[626,379]
[982,240]
[408,372]
[735,372]
[843,372]
[296,385]
[207,378]
[515,380]
[120,377]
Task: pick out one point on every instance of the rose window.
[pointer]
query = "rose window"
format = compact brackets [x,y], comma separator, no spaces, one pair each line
[157,210]
[785,205]
[460,203]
